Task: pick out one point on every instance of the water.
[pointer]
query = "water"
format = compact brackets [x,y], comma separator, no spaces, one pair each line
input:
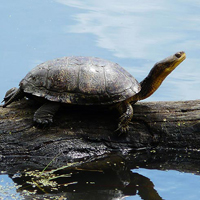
[172,184]
[135,34]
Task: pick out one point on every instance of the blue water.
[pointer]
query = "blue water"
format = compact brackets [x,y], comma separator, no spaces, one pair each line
[135,34]
[172,185]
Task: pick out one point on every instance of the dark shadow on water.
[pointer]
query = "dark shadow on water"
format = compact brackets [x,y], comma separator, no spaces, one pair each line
[104,178]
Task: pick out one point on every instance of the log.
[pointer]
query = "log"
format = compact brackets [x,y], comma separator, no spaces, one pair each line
[162,135]
[85,132]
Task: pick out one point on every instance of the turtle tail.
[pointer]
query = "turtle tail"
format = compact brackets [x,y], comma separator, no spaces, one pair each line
[12,95]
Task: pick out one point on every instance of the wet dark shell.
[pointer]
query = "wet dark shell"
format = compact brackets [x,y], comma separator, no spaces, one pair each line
[80,80]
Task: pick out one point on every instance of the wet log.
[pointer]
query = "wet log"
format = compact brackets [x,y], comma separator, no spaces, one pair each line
[82,132]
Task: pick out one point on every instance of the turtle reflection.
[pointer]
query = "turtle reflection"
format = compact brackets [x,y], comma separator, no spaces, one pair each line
[105,178]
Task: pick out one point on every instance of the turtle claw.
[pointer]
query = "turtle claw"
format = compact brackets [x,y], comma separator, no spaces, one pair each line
[122,129]
[9,94]
[42,123]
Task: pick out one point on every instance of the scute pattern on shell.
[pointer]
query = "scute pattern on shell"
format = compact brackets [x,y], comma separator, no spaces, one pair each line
[80,80]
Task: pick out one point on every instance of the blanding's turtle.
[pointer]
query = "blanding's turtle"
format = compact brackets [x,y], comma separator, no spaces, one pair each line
[89,81]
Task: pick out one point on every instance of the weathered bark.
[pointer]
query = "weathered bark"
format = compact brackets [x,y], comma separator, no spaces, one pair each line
[82,132]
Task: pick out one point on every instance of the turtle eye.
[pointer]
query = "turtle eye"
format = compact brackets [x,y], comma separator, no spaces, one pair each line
[178,55]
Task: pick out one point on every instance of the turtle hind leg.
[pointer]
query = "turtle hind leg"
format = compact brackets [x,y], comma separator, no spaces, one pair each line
[44,115]
[126,113]
[12,95]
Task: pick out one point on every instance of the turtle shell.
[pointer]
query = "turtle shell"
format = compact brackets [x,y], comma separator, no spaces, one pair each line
[80,80]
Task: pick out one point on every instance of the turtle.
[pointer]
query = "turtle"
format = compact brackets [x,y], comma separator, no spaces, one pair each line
[89,81]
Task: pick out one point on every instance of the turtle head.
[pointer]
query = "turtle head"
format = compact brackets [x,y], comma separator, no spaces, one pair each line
[157,75]
[163,68]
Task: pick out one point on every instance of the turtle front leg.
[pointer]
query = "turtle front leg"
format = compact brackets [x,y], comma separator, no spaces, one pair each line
[44,115]
[126,113]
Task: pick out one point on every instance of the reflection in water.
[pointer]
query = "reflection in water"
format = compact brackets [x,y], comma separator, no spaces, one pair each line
[107,178]
[112,176]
